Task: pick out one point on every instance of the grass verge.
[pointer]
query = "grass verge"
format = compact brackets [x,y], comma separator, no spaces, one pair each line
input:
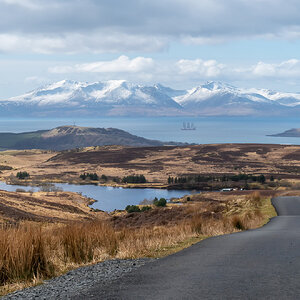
[30,253]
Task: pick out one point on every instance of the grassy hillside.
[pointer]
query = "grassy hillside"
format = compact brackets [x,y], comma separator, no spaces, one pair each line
[69,137]
[11,140]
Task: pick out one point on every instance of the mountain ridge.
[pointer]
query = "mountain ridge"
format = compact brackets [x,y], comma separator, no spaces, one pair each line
[122,98]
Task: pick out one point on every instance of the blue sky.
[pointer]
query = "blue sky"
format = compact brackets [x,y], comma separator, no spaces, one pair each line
[178,43]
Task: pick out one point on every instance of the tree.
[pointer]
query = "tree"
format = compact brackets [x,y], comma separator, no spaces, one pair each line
[134,179]
[162,202]
[22,175]
[261,179]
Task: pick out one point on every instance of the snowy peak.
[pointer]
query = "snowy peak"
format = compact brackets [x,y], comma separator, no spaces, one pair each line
[222,93]
[112,92]
[213,86]
[120,97]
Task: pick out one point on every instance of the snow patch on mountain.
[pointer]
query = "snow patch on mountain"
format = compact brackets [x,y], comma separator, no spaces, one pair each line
[119,97]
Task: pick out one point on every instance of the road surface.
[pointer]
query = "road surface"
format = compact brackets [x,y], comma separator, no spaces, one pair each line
[256,264]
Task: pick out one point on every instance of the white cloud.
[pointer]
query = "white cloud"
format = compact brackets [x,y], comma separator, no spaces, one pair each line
[31,4]
[96,42]
[15,43]
[186,70]
[208,68]
[36,80]
[289,68]
[119,65]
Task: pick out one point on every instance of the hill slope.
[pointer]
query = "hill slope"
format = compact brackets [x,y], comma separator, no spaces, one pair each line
[68,137]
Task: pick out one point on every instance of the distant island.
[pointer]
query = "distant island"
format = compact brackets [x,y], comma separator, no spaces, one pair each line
[295,132]
[70,137]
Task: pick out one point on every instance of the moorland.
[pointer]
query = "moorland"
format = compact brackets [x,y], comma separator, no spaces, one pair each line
[46,233]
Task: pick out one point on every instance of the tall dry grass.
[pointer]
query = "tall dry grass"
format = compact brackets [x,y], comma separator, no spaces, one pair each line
[32,252]
[29,252]
[23,254]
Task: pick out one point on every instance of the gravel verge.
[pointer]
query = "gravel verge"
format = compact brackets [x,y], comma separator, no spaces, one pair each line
[77,281]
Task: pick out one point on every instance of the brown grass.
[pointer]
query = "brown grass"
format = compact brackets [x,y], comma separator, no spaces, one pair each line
[156,163]
[29,253]
[23,254]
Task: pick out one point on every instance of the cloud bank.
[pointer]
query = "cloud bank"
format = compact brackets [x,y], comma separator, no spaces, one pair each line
[147,69]
[74,26]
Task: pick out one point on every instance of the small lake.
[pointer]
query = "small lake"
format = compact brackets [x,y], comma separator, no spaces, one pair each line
[108,198]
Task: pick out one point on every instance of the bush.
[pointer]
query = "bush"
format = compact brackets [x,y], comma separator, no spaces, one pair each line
[134,179]
[146,208]
[22,175]
[162,202]
[104,177]
[91,176]
[3,167]
[132,208]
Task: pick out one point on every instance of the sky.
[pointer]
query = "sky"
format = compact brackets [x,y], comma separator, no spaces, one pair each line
[178,43]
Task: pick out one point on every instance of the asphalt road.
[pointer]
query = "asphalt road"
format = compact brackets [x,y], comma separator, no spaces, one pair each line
[256,264]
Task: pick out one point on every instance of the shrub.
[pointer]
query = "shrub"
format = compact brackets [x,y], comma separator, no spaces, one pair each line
[162,202]
[91,176]
[104,177]
[22,175]
[146,208]
[134,179]
[132,208]
[3,167]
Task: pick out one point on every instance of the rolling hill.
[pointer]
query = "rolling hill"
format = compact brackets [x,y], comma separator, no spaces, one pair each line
[69,137]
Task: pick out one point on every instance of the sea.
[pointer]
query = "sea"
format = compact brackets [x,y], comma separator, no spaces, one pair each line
[209,130]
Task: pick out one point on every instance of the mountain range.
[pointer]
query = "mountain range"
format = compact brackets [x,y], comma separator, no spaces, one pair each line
[122,98]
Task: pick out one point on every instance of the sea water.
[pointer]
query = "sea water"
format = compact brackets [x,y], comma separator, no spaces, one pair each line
[208,129]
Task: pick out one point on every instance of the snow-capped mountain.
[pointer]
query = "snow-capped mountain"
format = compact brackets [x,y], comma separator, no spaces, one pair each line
[119,97]
[216,98]
[113,92]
